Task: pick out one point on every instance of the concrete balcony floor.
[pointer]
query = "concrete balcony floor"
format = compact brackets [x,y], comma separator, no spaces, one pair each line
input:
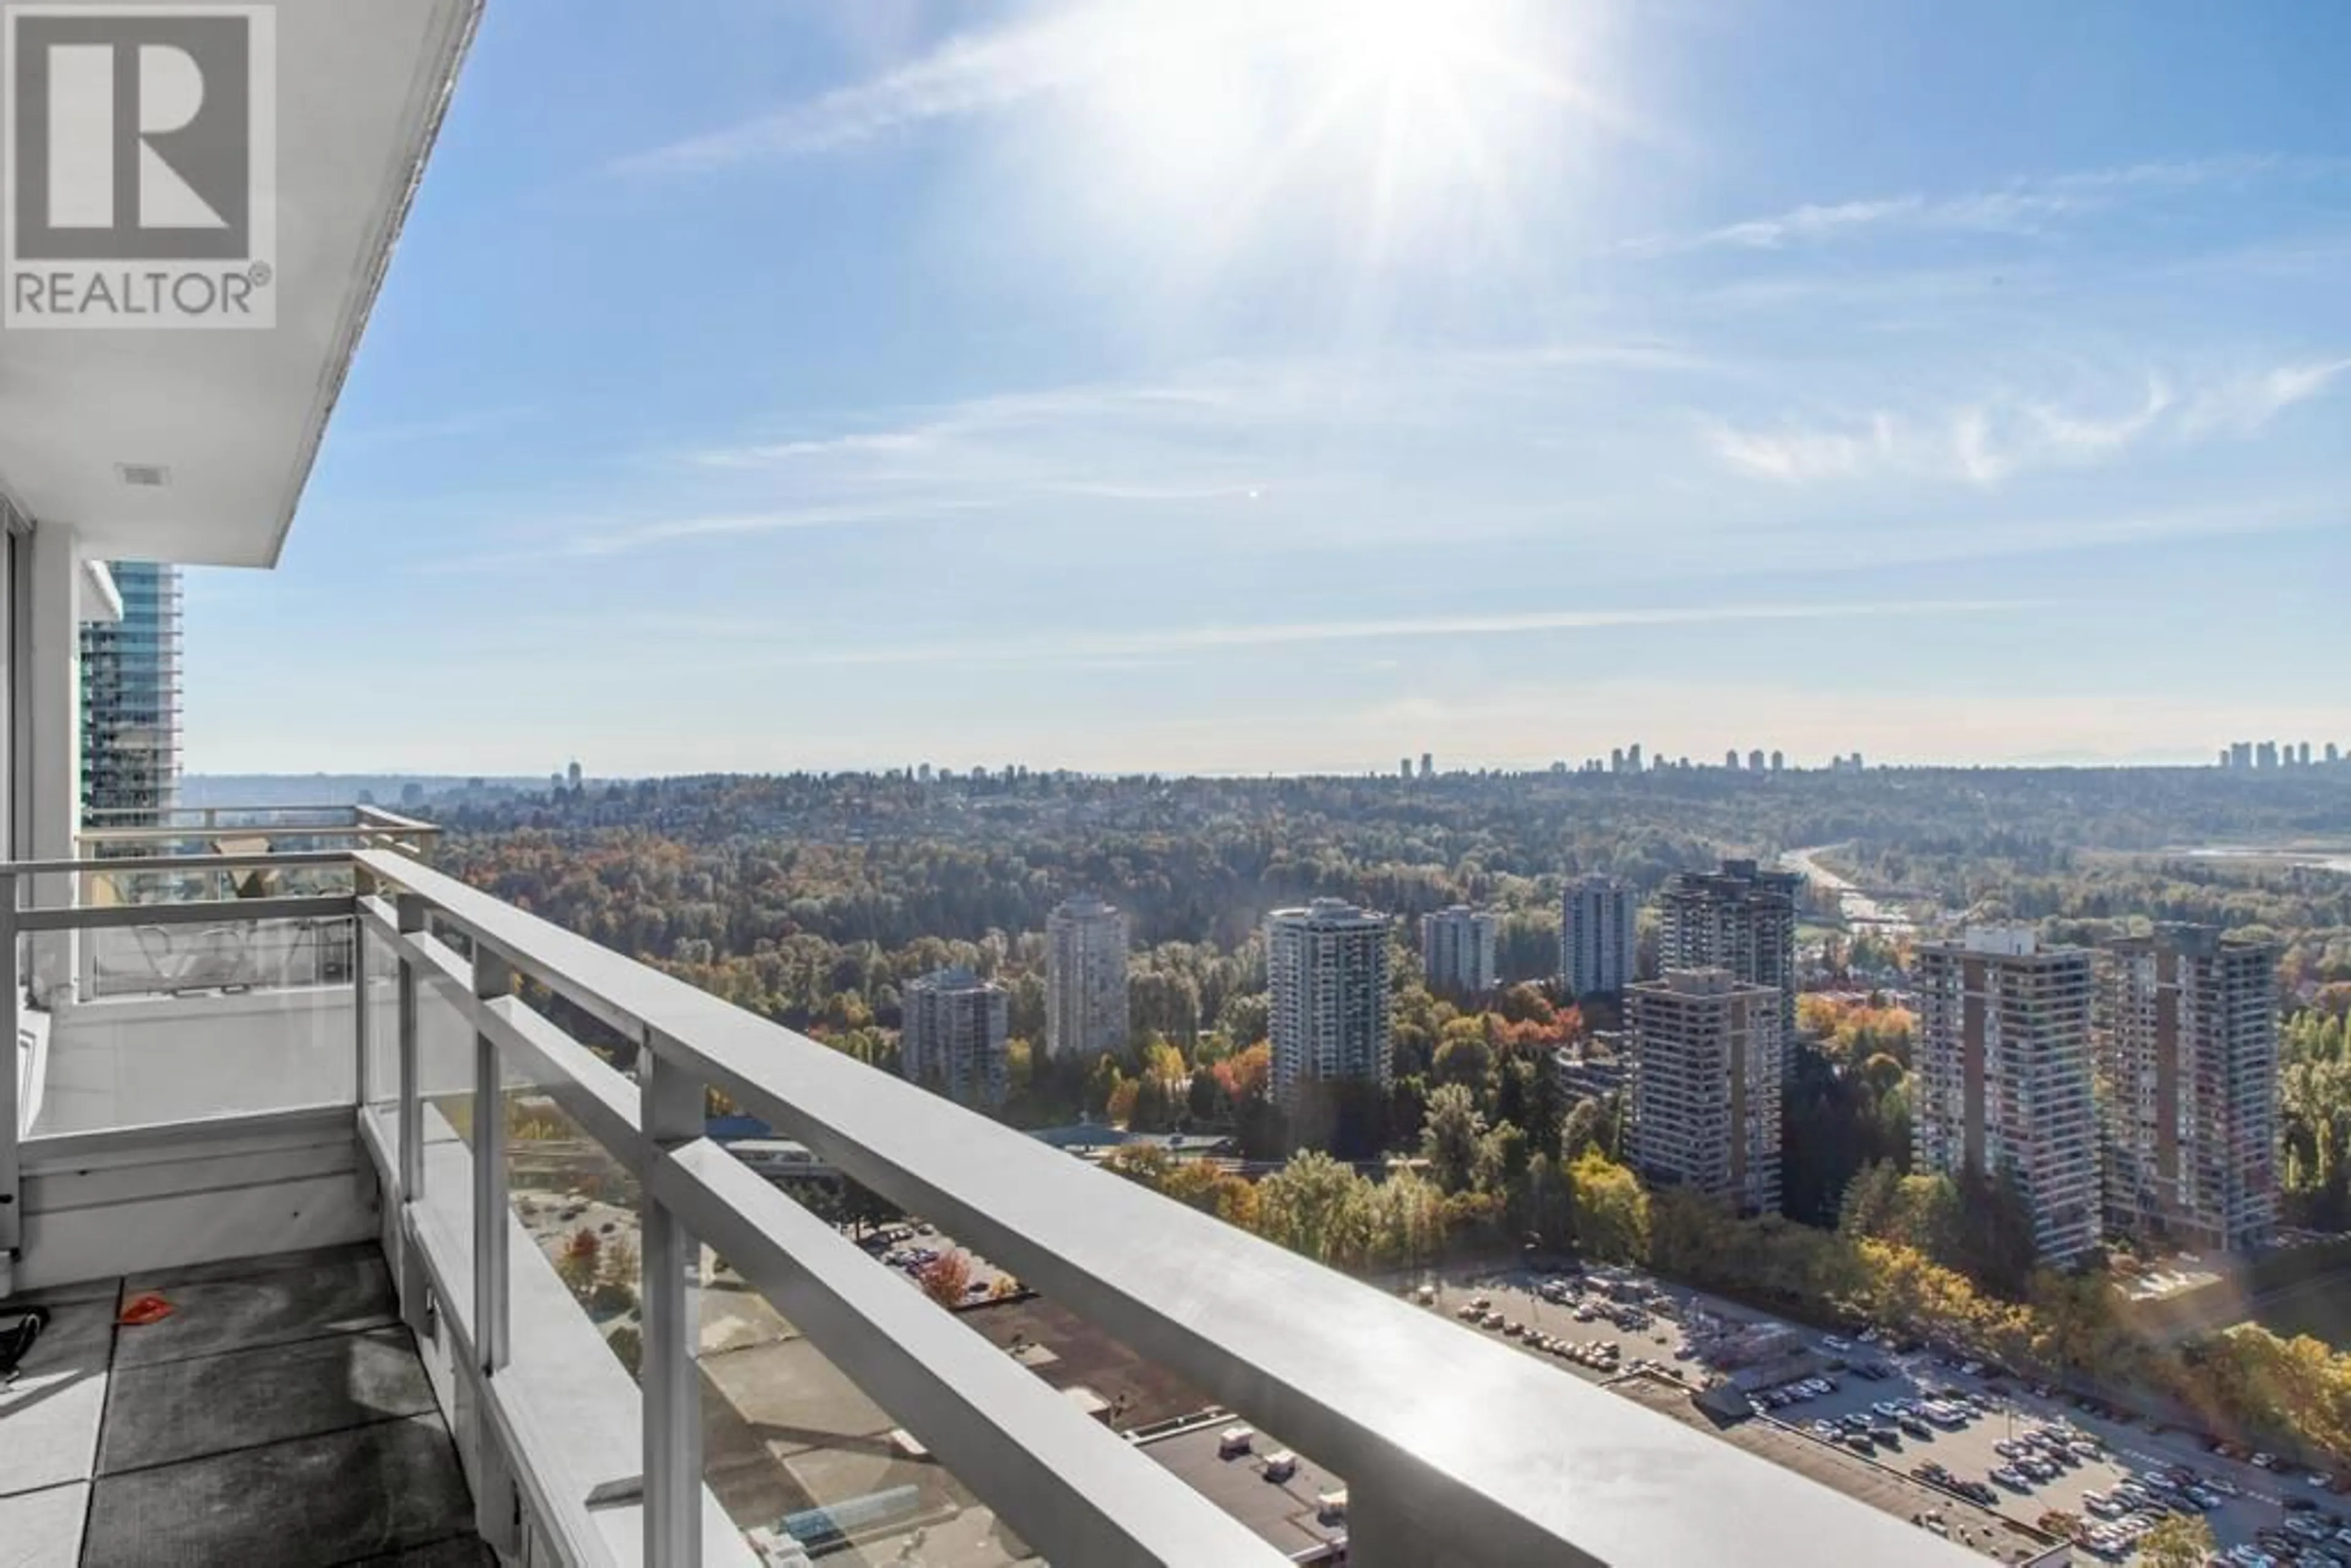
[279,1416]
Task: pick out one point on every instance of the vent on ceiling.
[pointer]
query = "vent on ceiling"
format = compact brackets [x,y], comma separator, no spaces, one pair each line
[146,475]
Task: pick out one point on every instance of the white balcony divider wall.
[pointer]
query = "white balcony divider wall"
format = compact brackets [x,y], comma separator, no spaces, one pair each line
[1457,1449]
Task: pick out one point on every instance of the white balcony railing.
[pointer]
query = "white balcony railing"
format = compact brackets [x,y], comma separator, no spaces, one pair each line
[1457,1449]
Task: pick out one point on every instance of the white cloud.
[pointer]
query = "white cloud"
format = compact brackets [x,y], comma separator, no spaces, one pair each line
[1096,649]
[1802,456]
[2243,405]
[2007,212]
[2024,205]
[970,73]
[1986,440]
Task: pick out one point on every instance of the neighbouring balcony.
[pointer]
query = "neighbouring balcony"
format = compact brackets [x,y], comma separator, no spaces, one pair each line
[255,1049]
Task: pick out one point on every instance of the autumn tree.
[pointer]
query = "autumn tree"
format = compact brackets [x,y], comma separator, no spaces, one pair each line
[945,1279]
[2177,1541]
[577,1263]
[1245,1074]
[1611,1211]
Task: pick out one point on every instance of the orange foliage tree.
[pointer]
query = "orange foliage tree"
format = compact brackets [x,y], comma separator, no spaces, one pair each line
[945,1279]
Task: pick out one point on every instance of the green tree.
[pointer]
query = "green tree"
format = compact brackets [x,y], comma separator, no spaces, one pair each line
[1317,1207]
[1501,1164]
[1463,1057]
[1407,1219]
[1451,1136]
[1871,1201]
[2177,1541]
[1544,1204]
[866,1209]
[1611,1211]
[1584,1129]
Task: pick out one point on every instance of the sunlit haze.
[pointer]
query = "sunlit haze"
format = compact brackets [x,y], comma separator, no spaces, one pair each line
[1246,386]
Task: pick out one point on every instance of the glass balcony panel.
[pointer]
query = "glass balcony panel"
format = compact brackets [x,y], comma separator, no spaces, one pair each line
[191,1021]
[223,956]
[574,1285]
[444,1069]
[379,1037]
[580,1209]
[796,1453]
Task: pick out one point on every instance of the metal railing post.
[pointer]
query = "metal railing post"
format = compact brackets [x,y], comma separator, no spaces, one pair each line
[362,885]
[408,910]
[672,1101]
[408,1114]
[11,1107]
[496,1501]
[492,979]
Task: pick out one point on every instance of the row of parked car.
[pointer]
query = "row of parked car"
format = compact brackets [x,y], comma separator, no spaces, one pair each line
[2305,1538]
[2041,1454]
[1935,1474]
[1600,1354]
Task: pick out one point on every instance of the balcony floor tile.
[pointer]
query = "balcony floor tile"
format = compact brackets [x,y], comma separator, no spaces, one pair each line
[49,1415]
[343,1497]
[261,1301]
[462,1551]
[43,1529]
[202,1406]
[279,1418]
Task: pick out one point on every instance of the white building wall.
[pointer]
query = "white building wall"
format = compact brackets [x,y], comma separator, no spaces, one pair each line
[1597,934]
[1085,979]
[1328,968]
[1457,951]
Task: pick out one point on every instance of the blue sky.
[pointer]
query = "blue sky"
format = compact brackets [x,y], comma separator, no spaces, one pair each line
[1249,385]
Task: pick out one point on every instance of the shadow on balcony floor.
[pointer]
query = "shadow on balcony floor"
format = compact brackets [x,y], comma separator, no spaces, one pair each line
[279,1416]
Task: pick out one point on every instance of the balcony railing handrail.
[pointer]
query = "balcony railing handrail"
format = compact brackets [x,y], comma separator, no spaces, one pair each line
[1450,1441]
[192,912]
[344,808]
[186,864]
[362,824]
[359,833]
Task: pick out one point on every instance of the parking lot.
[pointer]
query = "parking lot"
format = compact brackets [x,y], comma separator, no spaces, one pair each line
[2131,1451]
[2250,1505]
[1514,1295]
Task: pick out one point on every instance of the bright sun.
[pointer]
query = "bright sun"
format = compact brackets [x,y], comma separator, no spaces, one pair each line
[1408,45]
[1374,127]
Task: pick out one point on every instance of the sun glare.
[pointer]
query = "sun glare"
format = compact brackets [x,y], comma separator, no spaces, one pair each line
[1411,46]
[1211,139]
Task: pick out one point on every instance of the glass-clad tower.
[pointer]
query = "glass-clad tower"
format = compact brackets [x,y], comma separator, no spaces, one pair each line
[130,700]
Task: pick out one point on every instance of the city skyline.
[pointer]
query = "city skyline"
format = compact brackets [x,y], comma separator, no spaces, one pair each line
[1639,397]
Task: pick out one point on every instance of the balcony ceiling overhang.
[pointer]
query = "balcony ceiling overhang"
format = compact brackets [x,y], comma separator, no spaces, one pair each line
[233,418]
